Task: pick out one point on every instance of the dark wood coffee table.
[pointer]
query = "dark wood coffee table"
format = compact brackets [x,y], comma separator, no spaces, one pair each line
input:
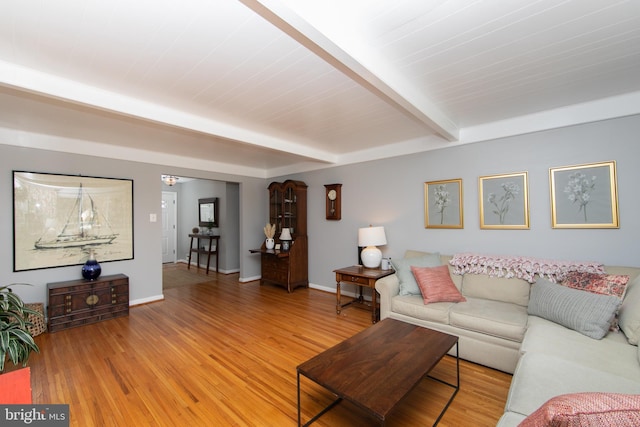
[379,366]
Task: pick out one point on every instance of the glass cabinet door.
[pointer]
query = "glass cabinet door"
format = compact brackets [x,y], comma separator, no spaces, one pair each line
[290,211]
[287,207]
[275,210]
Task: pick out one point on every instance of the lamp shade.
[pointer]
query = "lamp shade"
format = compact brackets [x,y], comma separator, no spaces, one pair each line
[285,240]
[285,235]
[371,237]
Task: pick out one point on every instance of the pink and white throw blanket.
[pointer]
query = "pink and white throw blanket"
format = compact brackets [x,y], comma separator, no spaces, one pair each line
[521,267]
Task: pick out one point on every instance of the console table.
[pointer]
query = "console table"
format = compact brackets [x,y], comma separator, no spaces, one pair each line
[199,249]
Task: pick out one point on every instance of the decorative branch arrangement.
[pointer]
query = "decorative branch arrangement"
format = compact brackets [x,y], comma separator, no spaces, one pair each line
[269,230]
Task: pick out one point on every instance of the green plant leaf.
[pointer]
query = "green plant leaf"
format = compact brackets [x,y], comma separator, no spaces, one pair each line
[16,342]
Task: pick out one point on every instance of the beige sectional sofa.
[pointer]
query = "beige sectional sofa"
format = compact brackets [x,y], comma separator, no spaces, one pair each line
[545,358]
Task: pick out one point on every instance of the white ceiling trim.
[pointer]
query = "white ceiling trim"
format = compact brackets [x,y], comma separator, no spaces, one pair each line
[357,62]
[418,145]
[613,107]
[592,111]
[25,139]
[23,78]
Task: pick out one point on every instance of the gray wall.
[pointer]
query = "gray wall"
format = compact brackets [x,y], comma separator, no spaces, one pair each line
[387,192]
[145,270]
[230,215]
[390,193]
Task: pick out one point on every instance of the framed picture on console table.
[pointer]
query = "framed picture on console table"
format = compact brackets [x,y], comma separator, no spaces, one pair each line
[443,204]
[58,219]
[504,201]
[584,196]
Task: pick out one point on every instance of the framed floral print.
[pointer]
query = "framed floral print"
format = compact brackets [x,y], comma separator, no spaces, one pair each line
[584,196]
[443,204]
[504,201]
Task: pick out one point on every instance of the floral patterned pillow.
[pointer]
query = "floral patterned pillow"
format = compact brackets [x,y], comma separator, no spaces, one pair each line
[605,284]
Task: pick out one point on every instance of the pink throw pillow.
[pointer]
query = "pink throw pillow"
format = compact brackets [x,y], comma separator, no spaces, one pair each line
[587,409]
[436,285]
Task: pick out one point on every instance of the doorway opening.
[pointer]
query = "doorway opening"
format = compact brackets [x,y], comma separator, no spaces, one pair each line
[180,216]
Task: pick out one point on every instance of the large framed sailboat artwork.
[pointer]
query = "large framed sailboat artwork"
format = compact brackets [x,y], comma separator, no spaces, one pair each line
[59,219]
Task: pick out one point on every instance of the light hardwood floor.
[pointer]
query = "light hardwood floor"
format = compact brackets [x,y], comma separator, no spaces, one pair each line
[224,353]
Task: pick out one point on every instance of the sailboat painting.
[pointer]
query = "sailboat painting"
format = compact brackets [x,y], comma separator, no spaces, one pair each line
[59,219]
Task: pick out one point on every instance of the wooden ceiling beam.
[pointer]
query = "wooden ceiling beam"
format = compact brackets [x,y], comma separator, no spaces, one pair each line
[360,64]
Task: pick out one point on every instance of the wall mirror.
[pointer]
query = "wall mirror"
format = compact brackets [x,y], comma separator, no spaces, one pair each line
[208,211]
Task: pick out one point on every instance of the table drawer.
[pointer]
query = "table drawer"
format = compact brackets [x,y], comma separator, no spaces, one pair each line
[353,279]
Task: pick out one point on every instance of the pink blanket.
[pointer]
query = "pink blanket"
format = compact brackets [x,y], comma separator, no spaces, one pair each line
[521,267]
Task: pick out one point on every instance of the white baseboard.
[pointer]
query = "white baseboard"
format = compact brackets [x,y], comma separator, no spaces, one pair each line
[146,300]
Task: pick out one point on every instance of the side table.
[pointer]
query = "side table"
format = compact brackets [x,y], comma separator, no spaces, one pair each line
[359,276]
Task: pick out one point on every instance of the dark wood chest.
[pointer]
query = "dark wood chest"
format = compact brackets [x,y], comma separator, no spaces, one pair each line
[80,302]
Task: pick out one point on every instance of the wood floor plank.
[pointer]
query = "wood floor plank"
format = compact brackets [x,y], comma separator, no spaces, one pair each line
[224,353]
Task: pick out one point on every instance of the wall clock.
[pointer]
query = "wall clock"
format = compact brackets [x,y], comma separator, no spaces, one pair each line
[332,197]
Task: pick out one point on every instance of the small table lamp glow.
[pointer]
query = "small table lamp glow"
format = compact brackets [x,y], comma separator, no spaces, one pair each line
[371,237]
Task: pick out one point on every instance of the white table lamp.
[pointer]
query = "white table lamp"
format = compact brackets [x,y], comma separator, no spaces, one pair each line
[370,237]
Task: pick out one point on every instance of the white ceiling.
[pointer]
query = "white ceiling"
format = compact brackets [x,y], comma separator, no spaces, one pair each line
[269,87]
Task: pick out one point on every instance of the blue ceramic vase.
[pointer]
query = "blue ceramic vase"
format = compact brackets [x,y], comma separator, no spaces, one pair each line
[91,269]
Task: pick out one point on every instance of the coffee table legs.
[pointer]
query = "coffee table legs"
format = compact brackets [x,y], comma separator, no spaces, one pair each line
[321,413]
[455,386]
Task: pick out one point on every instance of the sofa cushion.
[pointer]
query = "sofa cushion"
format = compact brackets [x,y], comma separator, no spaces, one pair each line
[436,285]
[539,377]
[411,253]
[588,313]
[629,316]
[413,306]
[511,290]
[408,284]
[587,409]
[496,318]
[612,354]
[444,260]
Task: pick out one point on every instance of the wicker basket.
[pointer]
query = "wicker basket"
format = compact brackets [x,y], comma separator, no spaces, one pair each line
[39,325]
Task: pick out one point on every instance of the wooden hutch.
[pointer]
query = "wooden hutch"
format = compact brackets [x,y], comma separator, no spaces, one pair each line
[287,209]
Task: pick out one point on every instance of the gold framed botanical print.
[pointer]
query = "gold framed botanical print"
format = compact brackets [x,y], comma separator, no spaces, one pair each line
[443,204]
[504,201]
[584,196]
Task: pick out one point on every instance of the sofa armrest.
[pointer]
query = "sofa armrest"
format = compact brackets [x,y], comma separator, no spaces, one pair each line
[387,287]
